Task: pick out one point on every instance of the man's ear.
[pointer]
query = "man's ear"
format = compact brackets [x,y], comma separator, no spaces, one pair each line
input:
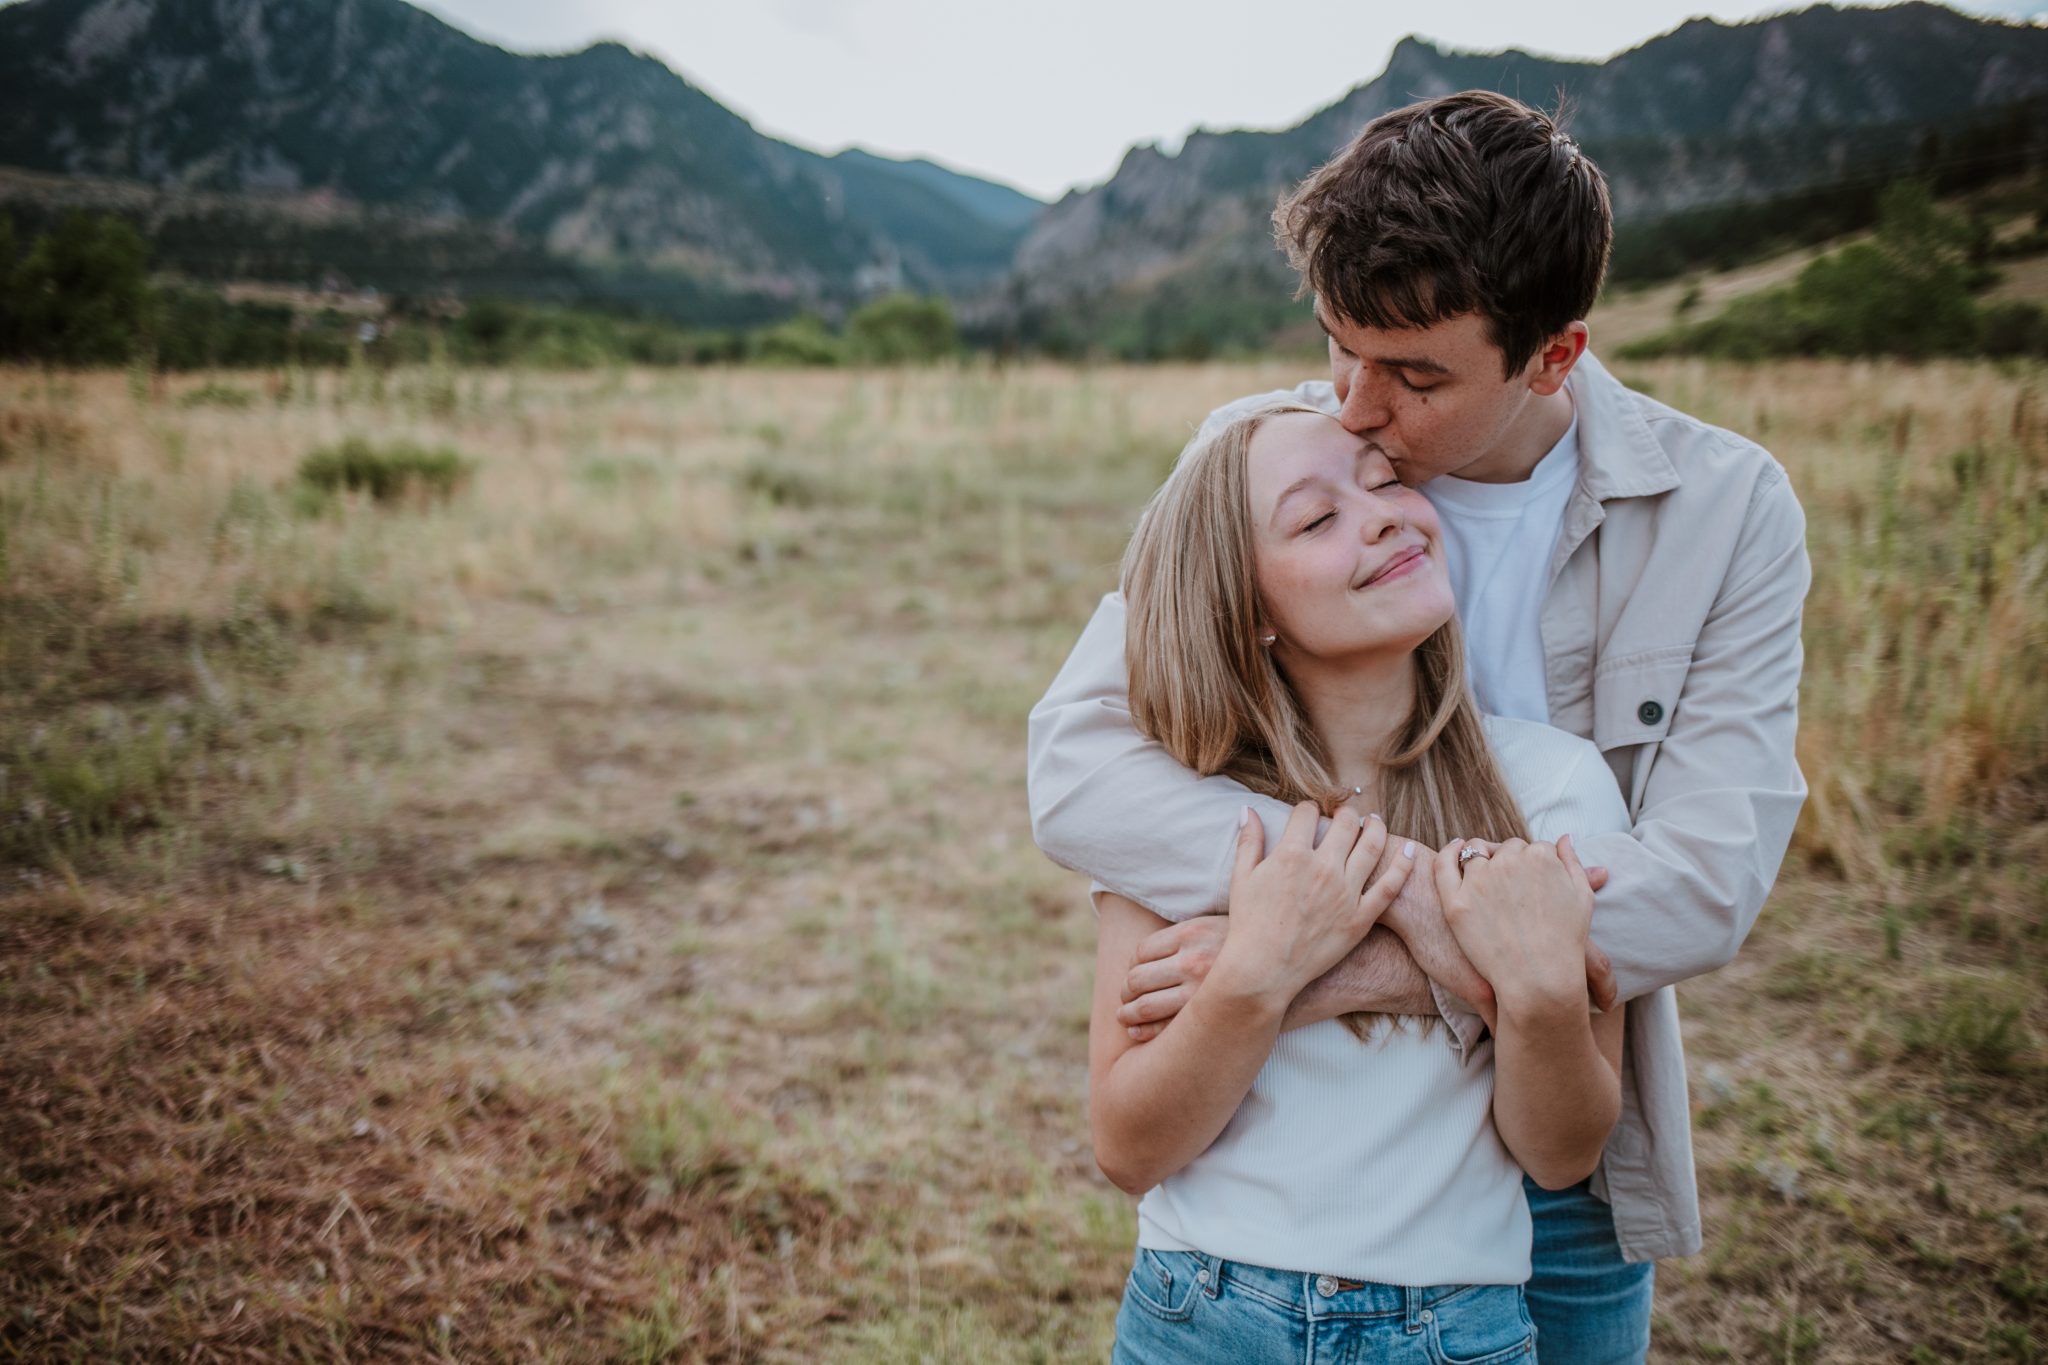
[1554,362]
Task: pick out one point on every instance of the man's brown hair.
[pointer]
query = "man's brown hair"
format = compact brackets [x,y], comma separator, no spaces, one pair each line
[1470,203]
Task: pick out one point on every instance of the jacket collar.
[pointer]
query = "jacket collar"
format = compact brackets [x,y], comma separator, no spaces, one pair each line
[1619,457]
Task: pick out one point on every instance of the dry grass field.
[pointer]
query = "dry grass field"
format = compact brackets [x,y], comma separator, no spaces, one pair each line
[588,912]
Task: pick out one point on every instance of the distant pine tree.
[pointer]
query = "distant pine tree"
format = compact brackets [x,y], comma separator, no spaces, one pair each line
[81,294]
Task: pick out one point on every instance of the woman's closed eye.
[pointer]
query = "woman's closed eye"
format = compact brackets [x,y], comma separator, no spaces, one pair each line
[1310,526]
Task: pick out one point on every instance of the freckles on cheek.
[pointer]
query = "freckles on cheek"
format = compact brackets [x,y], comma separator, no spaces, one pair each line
[1293,590]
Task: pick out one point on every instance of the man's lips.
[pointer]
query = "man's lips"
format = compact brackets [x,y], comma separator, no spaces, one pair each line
[1398,564]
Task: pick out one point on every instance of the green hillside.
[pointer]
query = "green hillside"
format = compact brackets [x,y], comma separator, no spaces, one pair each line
[605,157]
[1721,144]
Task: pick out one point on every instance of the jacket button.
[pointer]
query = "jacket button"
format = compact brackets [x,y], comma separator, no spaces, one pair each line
[1649,713]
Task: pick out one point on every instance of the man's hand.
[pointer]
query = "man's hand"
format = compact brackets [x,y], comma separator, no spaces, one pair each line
[1171,963]
[1600,985]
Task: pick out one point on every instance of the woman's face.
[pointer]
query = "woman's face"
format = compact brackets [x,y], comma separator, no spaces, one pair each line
[1349,560]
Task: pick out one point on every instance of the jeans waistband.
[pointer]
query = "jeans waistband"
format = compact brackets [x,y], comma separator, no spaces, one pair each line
[1322,1296]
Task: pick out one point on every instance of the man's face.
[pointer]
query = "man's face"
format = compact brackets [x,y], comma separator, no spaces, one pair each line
[1431,397]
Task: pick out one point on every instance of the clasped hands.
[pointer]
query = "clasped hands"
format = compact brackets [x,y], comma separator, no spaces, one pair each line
[1497,919]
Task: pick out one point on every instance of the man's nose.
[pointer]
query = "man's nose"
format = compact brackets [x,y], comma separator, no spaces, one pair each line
[1364,410]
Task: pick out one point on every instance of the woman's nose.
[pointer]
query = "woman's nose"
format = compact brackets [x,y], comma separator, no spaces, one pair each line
[1382,516]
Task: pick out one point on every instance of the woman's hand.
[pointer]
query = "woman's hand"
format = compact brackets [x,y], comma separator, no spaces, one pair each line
[1296,913]
[1521,913]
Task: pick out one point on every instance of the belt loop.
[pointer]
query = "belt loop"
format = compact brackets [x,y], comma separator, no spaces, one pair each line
[1212,1283]
[1411,1318]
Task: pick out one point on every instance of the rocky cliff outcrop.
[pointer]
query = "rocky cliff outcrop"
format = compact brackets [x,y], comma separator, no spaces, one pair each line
[603,154]
[1708,114]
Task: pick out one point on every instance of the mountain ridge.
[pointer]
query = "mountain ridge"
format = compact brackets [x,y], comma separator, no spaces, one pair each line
[607,158]
[604,154]
[1706,115]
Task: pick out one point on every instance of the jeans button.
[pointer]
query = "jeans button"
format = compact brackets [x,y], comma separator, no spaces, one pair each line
[1427,1316]
[1202,1276]
[1326,1285]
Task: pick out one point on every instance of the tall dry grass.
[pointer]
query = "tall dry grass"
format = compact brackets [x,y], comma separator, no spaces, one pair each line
[591,914]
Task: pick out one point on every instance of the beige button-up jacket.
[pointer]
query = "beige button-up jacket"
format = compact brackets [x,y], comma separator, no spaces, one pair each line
[1671,640]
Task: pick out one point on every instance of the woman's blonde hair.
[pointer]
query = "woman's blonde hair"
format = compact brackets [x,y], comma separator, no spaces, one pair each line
[1203,686]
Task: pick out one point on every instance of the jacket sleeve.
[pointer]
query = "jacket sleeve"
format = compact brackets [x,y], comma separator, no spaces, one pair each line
[1109,802]
[1724,789]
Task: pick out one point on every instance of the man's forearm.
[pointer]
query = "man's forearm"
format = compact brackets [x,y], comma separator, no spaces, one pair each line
[1377,976]
[1109,802]
[1715,812]
[1681,908]
[1380,975]
[1387,977]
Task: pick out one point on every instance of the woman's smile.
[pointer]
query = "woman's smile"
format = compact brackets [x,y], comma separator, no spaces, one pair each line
[1401,565]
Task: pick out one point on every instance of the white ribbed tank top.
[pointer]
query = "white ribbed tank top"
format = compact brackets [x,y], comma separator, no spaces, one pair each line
[1378,1160]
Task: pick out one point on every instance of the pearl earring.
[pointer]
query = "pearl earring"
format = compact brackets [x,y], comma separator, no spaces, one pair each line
[1268,640]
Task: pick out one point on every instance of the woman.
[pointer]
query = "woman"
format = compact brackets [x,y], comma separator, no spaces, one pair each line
[1334,1191]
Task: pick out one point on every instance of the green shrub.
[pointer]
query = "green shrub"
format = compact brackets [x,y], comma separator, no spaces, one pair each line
[386,473]
[2014,329]
[75,783]
[802,341]
[1972,1025]
[218,396]
[902,328]
[783,483]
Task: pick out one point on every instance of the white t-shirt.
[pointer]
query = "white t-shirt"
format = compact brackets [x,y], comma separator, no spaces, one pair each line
[1498,538]
[1379,1160]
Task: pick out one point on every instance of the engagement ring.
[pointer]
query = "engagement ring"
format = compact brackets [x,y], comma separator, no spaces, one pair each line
[1469,852]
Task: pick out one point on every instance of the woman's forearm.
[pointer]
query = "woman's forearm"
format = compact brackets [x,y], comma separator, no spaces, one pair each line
[1160,1106]
[1156,1107]
[1555,1095]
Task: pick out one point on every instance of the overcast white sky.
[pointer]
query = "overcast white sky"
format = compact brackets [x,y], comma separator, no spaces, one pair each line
[1047,94]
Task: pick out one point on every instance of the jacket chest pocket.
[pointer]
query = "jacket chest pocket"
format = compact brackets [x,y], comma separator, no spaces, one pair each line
[1636,695]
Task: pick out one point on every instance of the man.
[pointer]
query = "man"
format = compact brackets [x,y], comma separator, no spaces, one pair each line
[1623,572]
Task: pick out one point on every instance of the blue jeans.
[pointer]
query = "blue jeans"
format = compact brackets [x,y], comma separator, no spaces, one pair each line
[1187,1306]
[1591,1307]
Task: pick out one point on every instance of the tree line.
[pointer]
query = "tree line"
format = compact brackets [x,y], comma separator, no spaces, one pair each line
[81,293]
